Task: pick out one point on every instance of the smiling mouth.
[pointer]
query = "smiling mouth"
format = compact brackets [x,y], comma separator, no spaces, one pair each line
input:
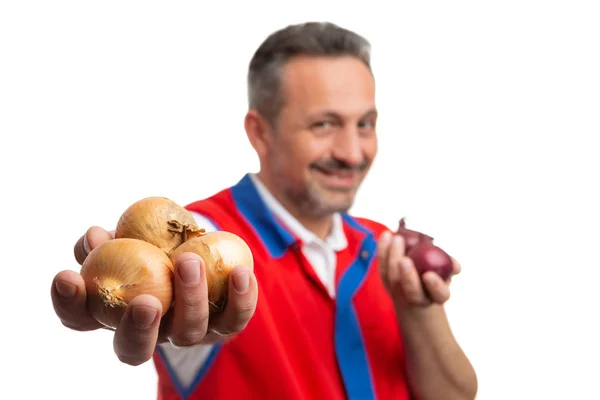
[344,174]
[337,179]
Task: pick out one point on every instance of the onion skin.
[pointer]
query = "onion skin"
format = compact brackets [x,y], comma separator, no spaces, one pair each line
[428,257]
[159,221]
[411,238]
[425,255]
[222,252]
[119,270]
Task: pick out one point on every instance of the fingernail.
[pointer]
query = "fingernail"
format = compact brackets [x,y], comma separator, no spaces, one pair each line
[241,281]
[143,316]
[189,272]
[86,245]
[385,236]
[397,240]
[65,290]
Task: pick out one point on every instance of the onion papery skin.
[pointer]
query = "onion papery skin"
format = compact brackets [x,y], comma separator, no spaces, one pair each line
[428,257]
[221,251]
[411,238]
[119,270]
[159,221]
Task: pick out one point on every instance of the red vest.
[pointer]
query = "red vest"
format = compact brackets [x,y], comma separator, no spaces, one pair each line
[301,343]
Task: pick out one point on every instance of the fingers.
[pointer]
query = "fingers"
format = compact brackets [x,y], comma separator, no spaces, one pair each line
[438,290]
[191,309]
[93,238]
[241,304]
[410,282]
[383,247]
[401,278]
[134,341]
[456,267]
[395,256]
[69,300]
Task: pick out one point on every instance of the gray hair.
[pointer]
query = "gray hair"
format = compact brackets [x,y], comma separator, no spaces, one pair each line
[306,39]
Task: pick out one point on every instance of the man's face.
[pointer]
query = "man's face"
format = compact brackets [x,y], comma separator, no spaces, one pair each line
[325,139]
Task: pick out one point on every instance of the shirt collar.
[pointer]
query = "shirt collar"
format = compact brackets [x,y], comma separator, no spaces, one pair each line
[336,239]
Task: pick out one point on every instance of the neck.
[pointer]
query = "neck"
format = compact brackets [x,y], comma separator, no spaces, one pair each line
[320,226]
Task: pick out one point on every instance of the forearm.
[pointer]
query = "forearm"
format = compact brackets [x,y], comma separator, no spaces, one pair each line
[436,365]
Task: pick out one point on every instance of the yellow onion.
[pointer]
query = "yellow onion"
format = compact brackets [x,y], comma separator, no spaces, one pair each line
[221,251]
[159,221]
[119,270]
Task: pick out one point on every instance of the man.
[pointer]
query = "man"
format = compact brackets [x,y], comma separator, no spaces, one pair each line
[342,312]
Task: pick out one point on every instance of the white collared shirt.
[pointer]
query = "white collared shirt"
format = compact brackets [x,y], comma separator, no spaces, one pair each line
[320,253]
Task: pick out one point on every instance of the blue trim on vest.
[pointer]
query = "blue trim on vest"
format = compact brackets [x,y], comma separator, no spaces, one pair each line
[355,224]
[349,343]
[274,235]
[203,371]
[185,392]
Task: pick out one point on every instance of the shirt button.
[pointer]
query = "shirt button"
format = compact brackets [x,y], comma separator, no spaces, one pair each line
[364,254]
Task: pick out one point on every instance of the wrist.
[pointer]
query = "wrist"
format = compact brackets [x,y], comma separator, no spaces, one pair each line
[421,316]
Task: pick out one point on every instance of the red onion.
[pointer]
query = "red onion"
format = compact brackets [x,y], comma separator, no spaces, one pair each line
[425,255]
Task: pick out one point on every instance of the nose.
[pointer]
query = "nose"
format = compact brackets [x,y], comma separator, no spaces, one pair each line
[348,147]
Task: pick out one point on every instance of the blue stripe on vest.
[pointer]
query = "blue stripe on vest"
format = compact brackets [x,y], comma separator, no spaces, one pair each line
[349,345]
[355,224]
[207,364]
[275,237]
[183,391]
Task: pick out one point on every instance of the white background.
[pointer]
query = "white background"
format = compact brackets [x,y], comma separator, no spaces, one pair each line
[489,125]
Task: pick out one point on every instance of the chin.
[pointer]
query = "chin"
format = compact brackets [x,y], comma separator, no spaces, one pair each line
[326,198]
[337,202]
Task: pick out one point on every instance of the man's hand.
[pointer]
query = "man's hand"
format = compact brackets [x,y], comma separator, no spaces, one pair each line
[435,363]
[141,328]
[402,279]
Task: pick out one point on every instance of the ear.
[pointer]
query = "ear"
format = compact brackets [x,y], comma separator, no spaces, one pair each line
[258,131]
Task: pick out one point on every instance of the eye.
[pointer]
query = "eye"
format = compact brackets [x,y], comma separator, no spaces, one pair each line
[323,128]
[366,128]
[366,125]
[322,125]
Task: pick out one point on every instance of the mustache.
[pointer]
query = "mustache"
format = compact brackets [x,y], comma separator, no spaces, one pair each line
[334,165]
